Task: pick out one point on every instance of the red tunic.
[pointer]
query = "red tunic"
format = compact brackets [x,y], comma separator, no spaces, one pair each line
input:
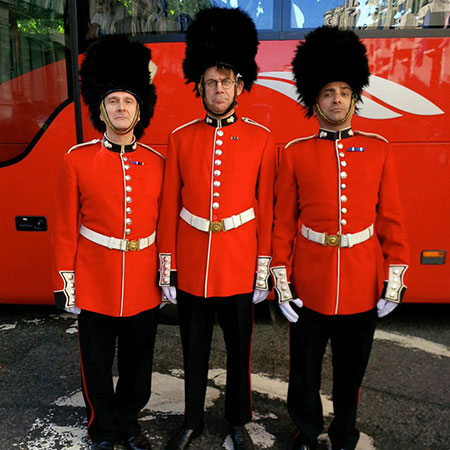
[115,194]
[217,170]
[338,186]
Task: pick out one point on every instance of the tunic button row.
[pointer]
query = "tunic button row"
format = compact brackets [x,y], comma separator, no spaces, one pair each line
[128,199]
[217,172]
[343,175]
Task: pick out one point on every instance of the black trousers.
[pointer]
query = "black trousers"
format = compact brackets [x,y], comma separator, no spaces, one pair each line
[197,317]
[113,413]
[351,340]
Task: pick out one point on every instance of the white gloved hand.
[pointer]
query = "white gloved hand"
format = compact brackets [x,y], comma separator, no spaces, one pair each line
[287,310]
[259,296]
[73,310]
[384,307]
[170,292]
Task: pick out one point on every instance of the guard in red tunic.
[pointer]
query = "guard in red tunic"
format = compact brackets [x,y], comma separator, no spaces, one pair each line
[214,232]
[104,241]
[338,226]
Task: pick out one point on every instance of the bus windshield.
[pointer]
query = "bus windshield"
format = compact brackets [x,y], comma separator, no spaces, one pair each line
[32,53]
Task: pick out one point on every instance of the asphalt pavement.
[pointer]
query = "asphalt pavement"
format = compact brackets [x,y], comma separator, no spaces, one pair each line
[404,405]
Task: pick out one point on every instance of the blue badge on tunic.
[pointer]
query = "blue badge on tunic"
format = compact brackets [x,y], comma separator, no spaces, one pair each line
[136,163]
[355,149]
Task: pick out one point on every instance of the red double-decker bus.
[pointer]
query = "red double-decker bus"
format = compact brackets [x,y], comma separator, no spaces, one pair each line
[41,114]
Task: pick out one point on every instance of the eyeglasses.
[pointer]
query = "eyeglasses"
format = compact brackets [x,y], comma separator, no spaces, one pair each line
[227,83]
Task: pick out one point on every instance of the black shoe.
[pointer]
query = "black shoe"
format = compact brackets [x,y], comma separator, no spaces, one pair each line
[183,438]
[298,446]
[138,442]
[241,439]
[102,445]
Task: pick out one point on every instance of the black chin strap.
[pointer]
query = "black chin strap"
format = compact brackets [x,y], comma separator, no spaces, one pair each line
[233,104]
[323,116]
[107,121]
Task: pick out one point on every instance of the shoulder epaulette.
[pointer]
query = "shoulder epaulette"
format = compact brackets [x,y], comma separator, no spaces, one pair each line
[297,140]
[186,125]
[151,149]
[83,144]
[371,135]
[252,122]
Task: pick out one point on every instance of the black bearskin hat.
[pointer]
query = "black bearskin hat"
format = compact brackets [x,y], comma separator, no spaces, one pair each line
[113,63]
[329,54]
[224,37]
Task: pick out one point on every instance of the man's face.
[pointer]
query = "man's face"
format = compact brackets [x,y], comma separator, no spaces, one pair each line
[216,96]
[334,100]
[121,108]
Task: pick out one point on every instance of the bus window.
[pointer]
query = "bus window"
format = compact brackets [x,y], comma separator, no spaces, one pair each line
[369,14]
[168,16]
[263,12]
[140,16]
[33,81]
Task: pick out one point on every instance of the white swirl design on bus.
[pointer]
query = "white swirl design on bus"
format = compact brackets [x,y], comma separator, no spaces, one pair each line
[386,91]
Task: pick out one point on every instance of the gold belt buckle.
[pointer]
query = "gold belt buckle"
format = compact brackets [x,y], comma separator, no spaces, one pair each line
[215,227]
[332,240]
[133,245]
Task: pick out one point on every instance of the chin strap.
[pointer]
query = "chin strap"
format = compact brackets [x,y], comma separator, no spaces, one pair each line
[323,116]
[108,123]
[233,104]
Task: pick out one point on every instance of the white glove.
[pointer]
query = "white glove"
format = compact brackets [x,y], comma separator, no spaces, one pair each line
[384,307]
[259,296]
[73,310]
[170,292]
[287,310]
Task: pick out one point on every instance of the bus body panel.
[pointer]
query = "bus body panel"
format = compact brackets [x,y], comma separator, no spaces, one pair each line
[409,95]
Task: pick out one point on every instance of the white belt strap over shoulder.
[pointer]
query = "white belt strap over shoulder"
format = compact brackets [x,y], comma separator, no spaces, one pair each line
[229,223]
[115,243]
[337,240]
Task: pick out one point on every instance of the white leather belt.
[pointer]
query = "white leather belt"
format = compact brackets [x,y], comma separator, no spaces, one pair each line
[226,224]
[117,244]
[339,240]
